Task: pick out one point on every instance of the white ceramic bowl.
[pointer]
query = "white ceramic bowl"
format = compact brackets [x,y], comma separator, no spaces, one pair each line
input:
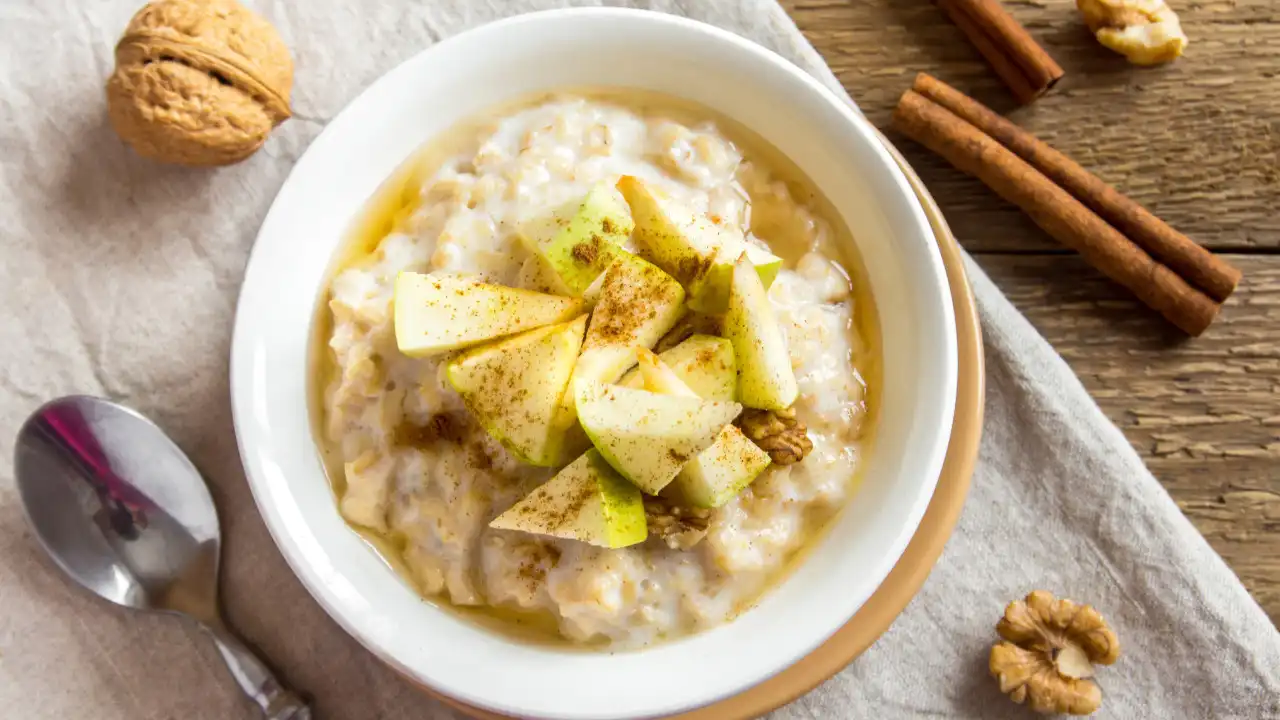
[463,76]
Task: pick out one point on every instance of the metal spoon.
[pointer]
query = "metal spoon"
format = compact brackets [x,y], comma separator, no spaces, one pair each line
[120,508]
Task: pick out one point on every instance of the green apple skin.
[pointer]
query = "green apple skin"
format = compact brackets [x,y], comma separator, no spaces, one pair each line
[435,314]
[712,295]
[703,362]
[645,436]
[766,379]
[586,501]
[515,388]
[692,249]
[638,304]
[669,234]
[581,247]
[767,264]
[718,473]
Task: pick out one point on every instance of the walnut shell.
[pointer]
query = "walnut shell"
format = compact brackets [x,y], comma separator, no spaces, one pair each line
[199,82]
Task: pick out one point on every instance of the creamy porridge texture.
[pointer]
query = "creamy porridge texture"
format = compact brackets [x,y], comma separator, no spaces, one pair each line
[417,469]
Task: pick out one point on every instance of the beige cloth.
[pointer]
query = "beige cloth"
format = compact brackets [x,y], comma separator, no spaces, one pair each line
[119,278]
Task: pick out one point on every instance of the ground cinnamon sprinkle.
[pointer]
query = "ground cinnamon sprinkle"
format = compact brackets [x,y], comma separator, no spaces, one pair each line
[691,269]
[535,570]
[706,357]
[587,252]
[629,295]
[557,517]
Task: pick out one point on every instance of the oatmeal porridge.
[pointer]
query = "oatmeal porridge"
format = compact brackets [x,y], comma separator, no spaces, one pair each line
[421,466]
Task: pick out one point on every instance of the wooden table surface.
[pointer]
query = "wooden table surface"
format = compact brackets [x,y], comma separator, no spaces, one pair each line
[1198,143]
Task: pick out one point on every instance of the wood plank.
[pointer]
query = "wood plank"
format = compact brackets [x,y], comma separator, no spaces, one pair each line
[1196,141]
[1204,413]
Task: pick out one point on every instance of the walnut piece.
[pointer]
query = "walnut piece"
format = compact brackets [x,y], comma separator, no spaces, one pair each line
[1147,32]
[679,527]
[1049,653]
[778,433]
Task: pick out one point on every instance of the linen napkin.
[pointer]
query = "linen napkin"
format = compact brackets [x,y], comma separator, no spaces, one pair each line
[119,277]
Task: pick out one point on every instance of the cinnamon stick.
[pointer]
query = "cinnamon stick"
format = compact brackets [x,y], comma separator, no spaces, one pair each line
[1016,57]
[1211,274]
[1054,210]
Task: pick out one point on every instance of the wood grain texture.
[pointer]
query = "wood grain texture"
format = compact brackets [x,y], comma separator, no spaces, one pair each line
[1198,143]
[1194,141]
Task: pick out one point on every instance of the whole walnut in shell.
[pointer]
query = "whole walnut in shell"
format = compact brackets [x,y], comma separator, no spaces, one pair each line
[199,82]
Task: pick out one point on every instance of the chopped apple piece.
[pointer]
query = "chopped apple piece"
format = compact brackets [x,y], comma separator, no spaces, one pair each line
[766,379]
[669,234]
[766,263]
[659,377]
[712,295]
[721,471]
[438,313]
[703,362]
[580,243]
[592,293]
[638,304]
[537,276]
[515,388]
[586,501]
[635,306]
[694,250]
[718,473]
[646,436]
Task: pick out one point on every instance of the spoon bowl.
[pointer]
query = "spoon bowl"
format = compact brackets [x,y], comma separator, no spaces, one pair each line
[125,514]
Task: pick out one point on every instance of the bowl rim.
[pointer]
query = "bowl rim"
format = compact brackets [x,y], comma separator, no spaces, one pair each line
[242,371]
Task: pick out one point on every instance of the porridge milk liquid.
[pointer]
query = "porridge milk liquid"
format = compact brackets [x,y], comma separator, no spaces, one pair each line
[773,219]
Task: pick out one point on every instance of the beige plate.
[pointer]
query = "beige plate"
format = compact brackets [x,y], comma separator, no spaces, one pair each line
[939,519]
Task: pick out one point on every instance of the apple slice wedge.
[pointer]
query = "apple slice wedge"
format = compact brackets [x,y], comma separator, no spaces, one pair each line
[580,241]
[515,388]
[435,314]
[712,294]
[766,379]
[586,501]
[703,362]
[669,234]
[692,249]
[658,377]
[536,275]
[637,305]
[645,436]
[718,473]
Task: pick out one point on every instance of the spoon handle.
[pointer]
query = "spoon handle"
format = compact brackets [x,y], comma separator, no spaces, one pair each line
[256,679]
